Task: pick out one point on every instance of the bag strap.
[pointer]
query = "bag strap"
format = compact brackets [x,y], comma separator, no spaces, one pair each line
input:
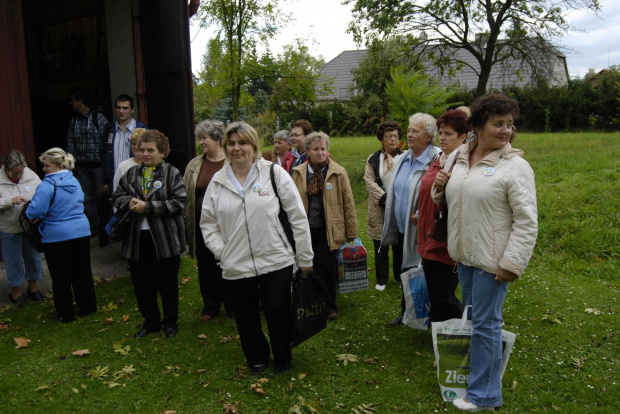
[273,184]
[53,195]
[456,156]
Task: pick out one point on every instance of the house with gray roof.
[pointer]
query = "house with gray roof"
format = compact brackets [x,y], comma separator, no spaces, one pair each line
[507,73]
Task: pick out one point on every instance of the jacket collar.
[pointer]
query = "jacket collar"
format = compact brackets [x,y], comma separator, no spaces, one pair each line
[491,159]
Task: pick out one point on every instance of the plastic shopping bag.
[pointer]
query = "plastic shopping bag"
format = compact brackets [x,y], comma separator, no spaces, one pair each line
[452,343]
[352,267]
[417,301]
[308,310]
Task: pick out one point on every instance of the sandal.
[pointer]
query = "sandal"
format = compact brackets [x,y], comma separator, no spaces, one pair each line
[36,295]
[18,301]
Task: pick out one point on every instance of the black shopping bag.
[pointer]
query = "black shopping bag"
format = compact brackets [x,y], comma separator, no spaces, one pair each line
[308,310]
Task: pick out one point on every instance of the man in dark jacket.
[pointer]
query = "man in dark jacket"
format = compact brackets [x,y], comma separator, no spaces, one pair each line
[84,140]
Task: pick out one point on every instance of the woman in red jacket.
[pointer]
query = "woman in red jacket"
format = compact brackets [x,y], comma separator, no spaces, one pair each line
[439,269]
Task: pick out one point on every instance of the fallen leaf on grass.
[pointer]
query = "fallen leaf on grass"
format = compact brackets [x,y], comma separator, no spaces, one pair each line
[21,342]
[202,336]
[41,388]
[346,358]
[185,280]
[593,310]
[109,320]
[112,384]
[169,412]
[549,317]
[231,408]
[365,409]
[80,352]
[99,372]
[513,386]
[110,306]
[125,318]
[228,338]
[257,387]
[302,375]
[371,361]
[556,408]
[119,348]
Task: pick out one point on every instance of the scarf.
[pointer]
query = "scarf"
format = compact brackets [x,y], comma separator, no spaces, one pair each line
[147,178]
[388,160]
[317,181]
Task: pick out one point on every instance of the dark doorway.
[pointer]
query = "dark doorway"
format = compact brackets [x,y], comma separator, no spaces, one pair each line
[65,47]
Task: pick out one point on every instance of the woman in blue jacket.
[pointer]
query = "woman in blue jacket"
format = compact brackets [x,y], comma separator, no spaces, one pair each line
[59,203]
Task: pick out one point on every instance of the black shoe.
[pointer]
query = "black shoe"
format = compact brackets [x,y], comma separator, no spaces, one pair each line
[144,332]
[396,321]
[170,332]
[283,370]
[36,295]
[19,301]
[258,369]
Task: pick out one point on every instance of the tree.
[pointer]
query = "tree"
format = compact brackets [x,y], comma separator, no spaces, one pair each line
[491,31]
[242,24]
[211,85]
[298,79]
[412,91]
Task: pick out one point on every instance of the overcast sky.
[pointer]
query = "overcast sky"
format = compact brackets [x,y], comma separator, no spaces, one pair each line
[325,21]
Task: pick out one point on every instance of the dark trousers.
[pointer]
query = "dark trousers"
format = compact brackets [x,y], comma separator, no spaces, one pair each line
[92,186]
[326,261]
[382,262]
[441,282]
[274,291]
[212,287]
[69,265]
[150,276]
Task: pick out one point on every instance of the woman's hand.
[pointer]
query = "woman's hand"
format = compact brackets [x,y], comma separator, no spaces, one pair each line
[414,219]
[504,275]
[137,205]
[305,270]
[441,179]
[18,200]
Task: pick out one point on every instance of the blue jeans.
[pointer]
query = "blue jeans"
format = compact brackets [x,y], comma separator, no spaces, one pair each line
[486,296]
[92,186]
[18,253]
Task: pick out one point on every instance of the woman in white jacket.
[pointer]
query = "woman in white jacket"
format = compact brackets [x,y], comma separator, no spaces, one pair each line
[240,225]
[22,261]
[492,229]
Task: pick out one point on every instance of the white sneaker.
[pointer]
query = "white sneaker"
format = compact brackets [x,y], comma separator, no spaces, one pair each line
[380,288]
[463,404]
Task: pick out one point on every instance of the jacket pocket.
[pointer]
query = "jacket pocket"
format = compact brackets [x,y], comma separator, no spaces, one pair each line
[337,231]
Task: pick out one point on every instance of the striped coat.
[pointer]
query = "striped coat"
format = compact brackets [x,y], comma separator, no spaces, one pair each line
[164,210]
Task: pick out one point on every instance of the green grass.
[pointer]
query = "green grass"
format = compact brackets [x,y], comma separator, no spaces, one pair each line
[565,358]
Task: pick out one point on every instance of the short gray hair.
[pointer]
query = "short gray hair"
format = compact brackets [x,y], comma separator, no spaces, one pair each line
[283,135]
[429,122]
[14,158]
[214,129]
[58,157]
[316,136]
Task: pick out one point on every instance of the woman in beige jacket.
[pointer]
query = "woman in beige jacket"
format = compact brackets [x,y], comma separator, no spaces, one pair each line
[327,196]
[492,229]
[197,177]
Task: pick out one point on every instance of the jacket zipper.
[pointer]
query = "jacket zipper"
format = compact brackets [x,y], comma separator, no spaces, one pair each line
[247,229]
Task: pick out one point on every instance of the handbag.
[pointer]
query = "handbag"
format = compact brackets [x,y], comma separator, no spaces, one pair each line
[31,230]
[308,307]
[119,224]
[417,301]
[282,216]
[452,344]
[439,229]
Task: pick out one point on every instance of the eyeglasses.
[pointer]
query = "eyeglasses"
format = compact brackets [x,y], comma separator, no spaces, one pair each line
[297,135]
[391,136]
[14,174]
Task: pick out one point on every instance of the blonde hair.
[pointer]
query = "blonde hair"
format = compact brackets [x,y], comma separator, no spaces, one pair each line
[58,156]
[136,134]
[247,133]
[464,109]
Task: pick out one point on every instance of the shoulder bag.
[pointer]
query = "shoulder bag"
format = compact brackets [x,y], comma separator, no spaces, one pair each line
[31,230]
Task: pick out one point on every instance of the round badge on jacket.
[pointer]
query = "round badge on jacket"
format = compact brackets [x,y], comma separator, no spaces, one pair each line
[328,186]
[488,171]
[157,184]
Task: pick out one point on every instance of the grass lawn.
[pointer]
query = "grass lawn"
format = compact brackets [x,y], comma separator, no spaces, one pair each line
[562,309]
